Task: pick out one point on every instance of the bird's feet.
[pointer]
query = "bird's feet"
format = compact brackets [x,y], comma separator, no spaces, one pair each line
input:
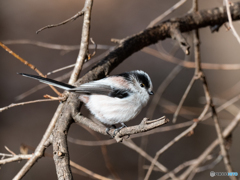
[109,128]
[116,130]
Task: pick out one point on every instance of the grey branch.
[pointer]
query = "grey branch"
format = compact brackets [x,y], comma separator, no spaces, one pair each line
[14,158]
[80,13]
[144,126]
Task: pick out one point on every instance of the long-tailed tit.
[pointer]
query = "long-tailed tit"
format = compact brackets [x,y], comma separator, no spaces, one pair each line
[114,99]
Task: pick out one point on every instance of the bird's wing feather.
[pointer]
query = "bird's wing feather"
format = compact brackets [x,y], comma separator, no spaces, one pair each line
[93,88]
[101,88]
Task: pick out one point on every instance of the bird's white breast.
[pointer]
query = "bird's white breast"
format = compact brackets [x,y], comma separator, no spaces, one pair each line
[115,110]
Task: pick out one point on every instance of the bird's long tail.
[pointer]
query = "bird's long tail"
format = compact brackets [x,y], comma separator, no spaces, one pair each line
[49,81]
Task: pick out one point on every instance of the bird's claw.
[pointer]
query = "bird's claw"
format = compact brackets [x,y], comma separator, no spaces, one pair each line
[109,128]
[116,130]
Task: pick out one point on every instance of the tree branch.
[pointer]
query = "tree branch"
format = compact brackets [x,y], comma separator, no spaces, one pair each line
[80,13]
[144,126]
[84,41]
[60,147]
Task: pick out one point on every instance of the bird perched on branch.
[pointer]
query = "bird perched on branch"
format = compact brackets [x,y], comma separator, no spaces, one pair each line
[112,100]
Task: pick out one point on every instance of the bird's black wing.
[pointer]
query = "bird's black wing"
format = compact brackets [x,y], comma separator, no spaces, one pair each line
[100,88]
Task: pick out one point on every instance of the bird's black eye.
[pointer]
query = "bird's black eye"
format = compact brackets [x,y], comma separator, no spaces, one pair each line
[142,85]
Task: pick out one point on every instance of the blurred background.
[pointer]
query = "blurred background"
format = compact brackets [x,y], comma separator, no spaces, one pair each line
[110,19]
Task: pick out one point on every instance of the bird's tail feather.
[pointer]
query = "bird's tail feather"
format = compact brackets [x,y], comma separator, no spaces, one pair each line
[49,81]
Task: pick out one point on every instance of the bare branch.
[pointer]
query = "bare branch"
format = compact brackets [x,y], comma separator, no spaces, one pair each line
[230,21]
[9,150]
[84,42]
[88,172]
[55,46]
[169,11]
[24,103]
[80,13]
[224,151]
[144,126]
[175,115]
[182,166]
[187,64]
[28,64]
[14,158]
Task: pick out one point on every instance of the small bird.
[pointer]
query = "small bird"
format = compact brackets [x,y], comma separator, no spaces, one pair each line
[112,100]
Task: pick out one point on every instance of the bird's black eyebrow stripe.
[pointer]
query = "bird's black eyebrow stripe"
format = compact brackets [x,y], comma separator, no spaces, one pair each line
[144,79]
[119,93]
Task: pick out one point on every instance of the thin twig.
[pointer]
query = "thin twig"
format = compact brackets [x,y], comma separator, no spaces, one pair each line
[169,11]
[27,102]
[187,64]
[88,172]
[9,150]
[56,46]
[28,64]
[80,13]
[224,151]
[95,49]
[129,143]
[14,158]
[61,69]
[230,21]
[184,165]
[175,115]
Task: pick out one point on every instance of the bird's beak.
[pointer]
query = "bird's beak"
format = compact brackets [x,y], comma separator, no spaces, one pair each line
[150,93]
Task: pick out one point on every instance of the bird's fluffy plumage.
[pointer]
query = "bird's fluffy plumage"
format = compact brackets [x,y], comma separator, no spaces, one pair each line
[114,99]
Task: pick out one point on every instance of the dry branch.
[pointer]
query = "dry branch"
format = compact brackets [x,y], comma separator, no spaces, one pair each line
[169,11]
[24,103]
[80,13]
[27,64]
[59,134]
[88,172]
[145,125]
[84,42]
[14,158]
